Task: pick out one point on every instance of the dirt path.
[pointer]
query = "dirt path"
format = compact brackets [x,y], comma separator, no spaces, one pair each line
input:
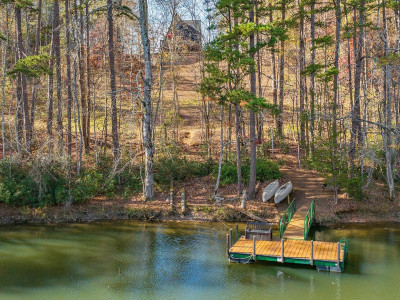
[308,186]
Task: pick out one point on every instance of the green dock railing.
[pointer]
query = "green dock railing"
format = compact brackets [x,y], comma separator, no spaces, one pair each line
[287,217]
[308,220]
[234,236]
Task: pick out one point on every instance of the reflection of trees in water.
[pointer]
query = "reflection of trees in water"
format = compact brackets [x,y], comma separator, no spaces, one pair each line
[172,259]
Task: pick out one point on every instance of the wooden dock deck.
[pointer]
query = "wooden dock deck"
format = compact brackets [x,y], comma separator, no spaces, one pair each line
[321,254]
[325,251]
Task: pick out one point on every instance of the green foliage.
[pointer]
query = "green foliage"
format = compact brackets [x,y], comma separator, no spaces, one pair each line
[87,185]
[18,3]
[229,57]
[28,184]
[354,188]
[323,41]
[328,75]
[176,168]
[32,66]
[39,184]
[312,69]
[265,170]
[228,173]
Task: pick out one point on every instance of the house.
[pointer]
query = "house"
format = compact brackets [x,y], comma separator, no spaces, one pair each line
[183,35]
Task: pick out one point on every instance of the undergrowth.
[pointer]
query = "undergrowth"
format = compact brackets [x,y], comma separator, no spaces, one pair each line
[43,182]
[265,170]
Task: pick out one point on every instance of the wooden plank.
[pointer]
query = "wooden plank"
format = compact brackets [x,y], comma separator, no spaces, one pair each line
[265,249]
[303,251]
[274,246]
[316,250]
[299,248]
[332,252]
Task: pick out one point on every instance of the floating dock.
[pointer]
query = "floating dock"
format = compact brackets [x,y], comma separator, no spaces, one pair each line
[292,247]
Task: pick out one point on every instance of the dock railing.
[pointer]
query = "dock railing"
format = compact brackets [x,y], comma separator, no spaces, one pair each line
[233,236]
[287,217]
[309,218]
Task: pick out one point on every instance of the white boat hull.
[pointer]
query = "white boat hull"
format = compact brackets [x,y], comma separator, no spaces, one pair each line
[270,190]
[283,192]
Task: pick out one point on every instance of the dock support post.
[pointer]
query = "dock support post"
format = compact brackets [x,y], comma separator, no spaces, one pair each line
[338,254]
[230,237]
[283,250]
[254,247]
[237,231]
[312,252]
[227,244]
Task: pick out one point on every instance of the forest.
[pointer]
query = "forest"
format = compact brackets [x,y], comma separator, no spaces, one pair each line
[119,99]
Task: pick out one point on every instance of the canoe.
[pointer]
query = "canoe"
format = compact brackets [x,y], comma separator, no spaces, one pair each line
[270,190]
[283,192]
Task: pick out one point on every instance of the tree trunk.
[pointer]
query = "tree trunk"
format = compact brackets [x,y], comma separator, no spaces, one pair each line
[221,151]
[36,80]
[82,81]
[281,77]
[3,82]
[302,61]
[274,77]
[238,158]
[253,145]
[87,142]
[312,87]
[356,135]
[238,130]
[69,88]
[24,94]
[50,85]
[335,99]
[147,104]
[114,120]
[56,31]
[387,109]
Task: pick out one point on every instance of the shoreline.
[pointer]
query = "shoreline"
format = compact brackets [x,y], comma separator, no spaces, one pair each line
[155,212]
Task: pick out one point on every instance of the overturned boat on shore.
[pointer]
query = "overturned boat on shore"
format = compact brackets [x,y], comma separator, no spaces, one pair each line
[270,190]
[283,192]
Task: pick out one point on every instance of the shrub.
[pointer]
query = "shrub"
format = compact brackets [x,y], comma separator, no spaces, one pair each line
[174,168]
[130,181]
[33,184]
[46,182]
[265,170]
[228,173]
[354,188]
[199,168]
[87,185]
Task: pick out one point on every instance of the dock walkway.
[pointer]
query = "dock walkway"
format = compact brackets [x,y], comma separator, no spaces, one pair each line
[295,229]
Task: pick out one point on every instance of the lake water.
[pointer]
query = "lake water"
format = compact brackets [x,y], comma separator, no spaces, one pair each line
[136,260]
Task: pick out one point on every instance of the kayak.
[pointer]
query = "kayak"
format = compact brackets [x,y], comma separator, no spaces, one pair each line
[283,192]
[270,190]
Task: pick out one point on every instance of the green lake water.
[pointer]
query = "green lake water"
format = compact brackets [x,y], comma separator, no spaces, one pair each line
[135,260]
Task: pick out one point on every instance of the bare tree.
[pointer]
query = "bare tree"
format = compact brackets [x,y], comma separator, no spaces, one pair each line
[147,103]
[253,153]
[114,119]
[69,84]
